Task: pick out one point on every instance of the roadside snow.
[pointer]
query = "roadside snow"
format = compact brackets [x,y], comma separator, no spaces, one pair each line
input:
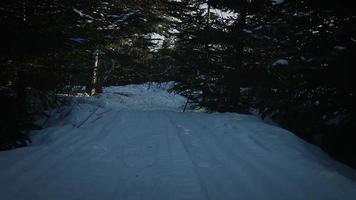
[149,96]
[133,142]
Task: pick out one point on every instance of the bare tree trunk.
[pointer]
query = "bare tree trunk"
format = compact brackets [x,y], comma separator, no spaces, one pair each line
[209,7]
[95,77]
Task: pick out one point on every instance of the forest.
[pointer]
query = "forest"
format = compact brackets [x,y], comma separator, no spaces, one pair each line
[291,62]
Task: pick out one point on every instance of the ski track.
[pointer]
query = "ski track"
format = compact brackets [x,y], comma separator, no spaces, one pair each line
[132,154]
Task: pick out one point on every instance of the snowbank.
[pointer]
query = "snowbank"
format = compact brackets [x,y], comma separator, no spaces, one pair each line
[148,96]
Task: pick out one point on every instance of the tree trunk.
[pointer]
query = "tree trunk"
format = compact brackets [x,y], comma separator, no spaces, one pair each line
[95,77]
[208,20]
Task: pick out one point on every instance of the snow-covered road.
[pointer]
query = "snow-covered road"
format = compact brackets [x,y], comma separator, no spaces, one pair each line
[129,154]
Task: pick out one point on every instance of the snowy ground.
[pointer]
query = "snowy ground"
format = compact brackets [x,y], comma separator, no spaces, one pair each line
[134,142]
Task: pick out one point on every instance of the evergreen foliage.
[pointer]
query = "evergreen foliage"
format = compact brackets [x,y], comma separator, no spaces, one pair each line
[48,47]
[309,90]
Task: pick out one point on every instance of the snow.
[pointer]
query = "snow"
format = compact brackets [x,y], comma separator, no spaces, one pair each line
[246,31]
[219,12]
[149,96]
[258,28]
[172,19]
[133,142]
[280,62]
[278,1]
[81,14]
[157,40]
[339,48]
[78,40]
[122,18]
[173,31]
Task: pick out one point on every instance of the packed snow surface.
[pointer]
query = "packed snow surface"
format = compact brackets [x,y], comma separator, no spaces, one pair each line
[133,142]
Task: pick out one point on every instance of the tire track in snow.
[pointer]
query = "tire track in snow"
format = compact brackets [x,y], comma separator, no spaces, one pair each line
[137,162]
[227,162]
[180,156]
[188,153]
[238,166]
[171,175]
[214,176]
[264,170]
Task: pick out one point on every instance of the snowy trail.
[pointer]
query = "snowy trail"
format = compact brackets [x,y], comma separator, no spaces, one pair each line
[131,154]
